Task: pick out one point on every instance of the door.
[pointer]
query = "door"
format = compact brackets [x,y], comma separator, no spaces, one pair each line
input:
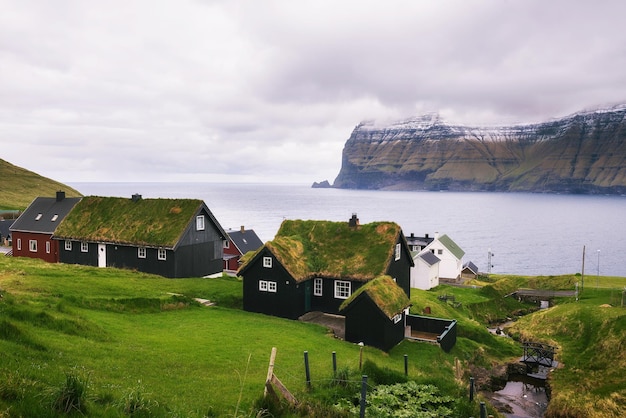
[102,255]
[307,296]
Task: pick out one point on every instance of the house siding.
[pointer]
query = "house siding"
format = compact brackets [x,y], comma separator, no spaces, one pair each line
[401,269]
[41,239]
[366,323]
[286,302]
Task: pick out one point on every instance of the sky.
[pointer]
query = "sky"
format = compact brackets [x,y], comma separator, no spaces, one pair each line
[270,90]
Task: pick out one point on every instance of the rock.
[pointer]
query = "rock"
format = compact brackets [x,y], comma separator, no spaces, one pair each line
[582,153]
[323,185]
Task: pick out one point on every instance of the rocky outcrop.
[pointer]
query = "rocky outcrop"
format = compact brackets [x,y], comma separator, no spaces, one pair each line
[582,153]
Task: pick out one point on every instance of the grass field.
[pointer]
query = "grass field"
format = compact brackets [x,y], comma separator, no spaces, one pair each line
[139,345]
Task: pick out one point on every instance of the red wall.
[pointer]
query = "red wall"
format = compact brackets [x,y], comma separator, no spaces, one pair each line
[26,237]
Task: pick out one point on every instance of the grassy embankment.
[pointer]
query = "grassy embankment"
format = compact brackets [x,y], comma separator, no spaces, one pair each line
[140,346]
[18,187]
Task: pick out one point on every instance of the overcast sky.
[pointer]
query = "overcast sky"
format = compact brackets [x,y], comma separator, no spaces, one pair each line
[267,91]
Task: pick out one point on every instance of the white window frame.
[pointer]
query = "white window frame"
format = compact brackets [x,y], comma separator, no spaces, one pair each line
[141,252]
[47,247]
[267,262]
[343,289]
[263,285]
[32,245]
[55,217]
[271,287]
[398,251]
[68,245]
[397,318]
[226,243]
[19,244]
[200,223]
[84,247]
[162,254]
[318,287]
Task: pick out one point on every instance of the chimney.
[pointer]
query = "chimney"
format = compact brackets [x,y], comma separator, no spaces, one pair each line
[354,221]
[243,229]
[412,235]
[60,195]
[136,197]
[426,236]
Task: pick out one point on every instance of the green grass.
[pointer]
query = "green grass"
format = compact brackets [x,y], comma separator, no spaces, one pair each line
[121,343]
[19,187]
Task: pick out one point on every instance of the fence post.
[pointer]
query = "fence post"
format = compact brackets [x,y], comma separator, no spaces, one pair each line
[406,364]
[363,395]
[334,364]
[483,410]
[471,389]
[361,345]
[306,369]
[270,370]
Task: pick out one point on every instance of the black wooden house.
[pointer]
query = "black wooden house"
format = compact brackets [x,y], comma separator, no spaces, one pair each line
[168,237]
[317,265]
[375,314]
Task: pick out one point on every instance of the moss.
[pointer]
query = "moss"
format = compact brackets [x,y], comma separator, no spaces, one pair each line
[385,293]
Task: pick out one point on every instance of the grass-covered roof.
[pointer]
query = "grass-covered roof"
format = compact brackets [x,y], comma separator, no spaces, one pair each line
[334,249]
[147,222]
[385,293]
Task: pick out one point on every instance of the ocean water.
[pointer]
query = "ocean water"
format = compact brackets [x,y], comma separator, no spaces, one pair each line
[534,234]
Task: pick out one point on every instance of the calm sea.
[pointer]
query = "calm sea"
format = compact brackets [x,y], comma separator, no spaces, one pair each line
[535,234]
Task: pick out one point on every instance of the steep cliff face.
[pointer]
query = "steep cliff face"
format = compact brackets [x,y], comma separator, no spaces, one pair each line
[583,153]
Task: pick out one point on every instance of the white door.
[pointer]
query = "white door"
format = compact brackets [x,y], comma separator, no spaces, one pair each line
[102,255]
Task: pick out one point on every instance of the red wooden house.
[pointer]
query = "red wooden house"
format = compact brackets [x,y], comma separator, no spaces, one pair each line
[31,233]
[238,243]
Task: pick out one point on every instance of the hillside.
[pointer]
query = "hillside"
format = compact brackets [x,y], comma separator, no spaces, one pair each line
[18,186]
[582,153]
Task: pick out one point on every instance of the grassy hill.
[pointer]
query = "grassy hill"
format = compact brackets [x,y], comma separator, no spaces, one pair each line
[18,187]
[132,344]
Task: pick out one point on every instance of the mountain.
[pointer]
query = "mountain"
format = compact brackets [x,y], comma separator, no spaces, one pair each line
[581,153]
[19,187]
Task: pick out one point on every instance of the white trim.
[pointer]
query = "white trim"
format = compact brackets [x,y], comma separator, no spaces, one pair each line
[267,262]
[318,287]
[47,247]
[271,287]
[84,247]
[141,252]
[162,254]
[200,223]
[343,289]
[68,245]
[32,245]
[398,251]
[263,285]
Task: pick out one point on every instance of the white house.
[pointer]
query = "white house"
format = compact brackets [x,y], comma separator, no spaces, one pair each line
[425,273]
[449,254]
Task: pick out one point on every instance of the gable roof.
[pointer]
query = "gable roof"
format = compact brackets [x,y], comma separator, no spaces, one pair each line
[471,267]
[44,214]
[333,249]
[385,293]
[245,240]
[146,222]
[447,242]
[428,257]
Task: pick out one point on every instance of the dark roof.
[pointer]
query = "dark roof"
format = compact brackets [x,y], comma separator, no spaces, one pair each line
[422,241]
[385,293]
[470,266]
[146,222]
[245,240]
[333,249]
[429,257]
[5,224]
[39,216]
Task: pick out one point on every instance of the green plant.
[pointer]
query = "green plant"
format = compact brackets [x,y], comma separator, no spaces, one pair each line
[71,397]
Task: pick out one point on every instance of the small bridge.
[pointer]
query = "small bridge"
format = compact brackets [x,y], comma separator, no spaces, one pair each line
[537,295]
[538,354]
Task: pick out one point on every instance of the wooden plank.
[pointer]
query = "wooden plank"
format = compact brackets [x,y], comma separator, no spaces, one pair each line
[283,390]
[270,370]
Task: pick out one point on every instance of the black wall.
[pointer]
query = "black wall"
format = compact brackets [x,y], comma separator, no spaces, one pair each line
[366,323]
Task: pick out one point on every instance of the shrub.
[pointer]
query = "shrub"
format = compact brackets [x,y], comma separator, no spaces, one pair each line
[71,396]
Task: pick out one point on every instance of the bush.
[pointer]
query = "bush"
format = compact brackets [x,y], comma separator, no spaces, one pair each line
[71,396]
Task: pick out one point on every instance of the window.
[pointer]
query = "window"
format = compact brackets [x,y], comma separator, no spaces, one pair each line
[141,252]
[32,245]
[47,247]
[263,285]
[68,245]
[38,217]
[54,217]
[317,287]
[267,262]
[162,254]
[200,223]
[84,247]
[19,244]
[439,252]
[397,318]
[271,287]
[226,244]
[398,251]
[342,289]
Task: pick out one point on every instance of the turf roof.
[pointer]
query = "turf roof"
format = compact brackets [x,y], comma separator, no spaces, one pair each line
[334,249]
[385,293]
[148,222]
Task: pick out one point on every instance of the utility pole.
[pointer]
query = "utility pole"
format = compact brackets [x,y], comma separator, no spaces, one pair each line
[489,265]
[582,279]
[598,276]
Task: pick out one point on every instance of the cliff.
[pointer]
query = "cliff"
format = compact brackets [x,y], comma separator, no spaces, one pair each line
[581,153]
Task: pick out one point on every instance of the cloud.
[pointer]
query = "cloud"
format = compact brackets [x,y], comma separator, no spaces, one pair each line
[270,91]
